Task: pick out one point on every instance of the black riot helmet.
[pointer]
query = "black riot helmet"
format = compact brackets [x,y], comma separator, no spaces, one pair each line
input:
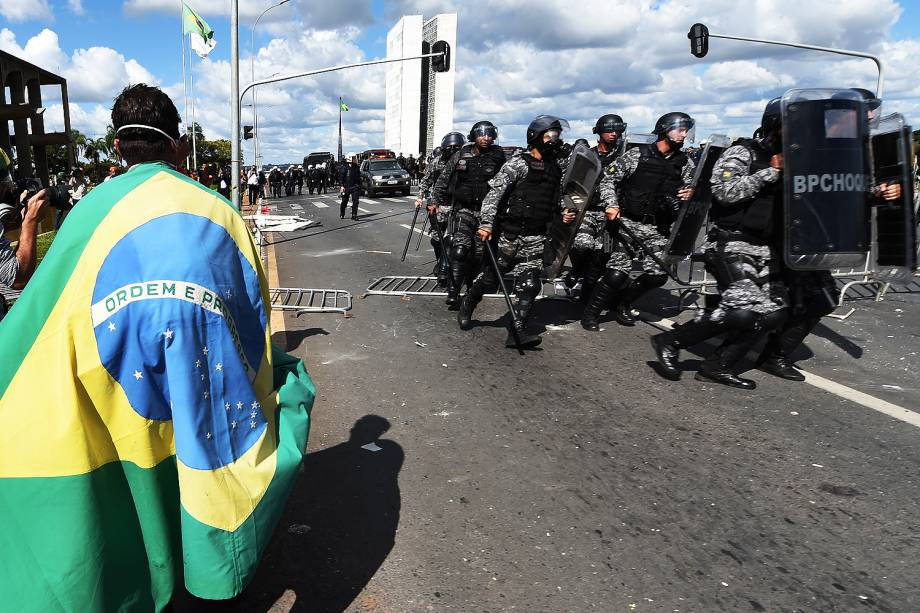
[871,101]
[771,123]
[674,121]
[581,141]
[452,141]
[483,128]
[609,123]
[540,126]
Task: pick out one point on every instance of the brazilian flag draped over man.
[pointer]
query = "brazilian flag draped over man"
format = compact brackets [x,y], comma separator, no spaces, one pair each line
[150,433]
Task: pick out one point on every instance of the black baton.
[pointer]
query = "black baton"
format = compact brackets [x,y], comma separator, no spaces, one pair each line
[409,238]
[501,284]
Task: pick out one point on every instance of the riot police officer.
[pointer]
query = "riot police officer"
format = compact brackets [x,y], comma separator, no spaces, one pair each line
[813,294]
[462,185]
[641,190]
[741,254]
[450,144]
[592,243]
[524,198]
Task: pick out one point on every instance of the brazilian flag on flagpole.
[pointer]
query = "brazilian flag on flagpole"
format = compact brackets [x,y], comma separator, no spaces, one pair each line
[202,35]
[151,432]
[342,105]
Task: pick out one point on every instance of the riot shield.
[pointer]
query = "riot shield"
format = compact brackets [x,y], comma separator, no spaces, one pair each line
[634,139]
[825,207]
[894,223]
[692,215]
[578,183]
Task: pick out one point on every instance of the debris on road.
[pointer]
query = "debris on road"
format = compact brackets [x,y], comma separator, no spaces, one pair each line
[372,447]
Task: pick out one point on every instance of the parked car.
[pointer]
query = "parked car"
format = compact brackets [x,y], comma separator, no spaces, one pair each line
[386,175]
[376,154]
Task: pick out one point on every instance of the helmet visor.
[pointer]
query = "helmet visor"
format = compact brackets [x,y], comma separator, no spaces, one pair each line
[612,126]
[489,131]
[681,130]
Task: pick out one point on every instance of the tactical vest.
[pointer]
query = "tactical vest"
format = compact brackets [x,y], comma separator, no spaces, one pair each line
[655,180]
[606,160]
[755,216]
[470,181]
[530,206]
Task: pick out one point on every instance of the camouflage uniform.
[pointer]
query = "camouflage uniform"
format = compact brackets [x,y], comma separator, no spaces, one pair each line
[626,255]
[762,290]
[592,244]
[425,186]
[520,253]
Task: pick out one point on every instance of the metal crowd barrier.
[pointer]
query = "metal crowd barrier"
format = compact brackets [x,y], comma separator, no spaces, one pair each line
[298,300]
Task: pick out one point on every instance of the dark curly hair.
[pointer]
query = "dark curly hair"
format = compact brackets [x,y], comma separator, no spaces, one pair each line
[150,106]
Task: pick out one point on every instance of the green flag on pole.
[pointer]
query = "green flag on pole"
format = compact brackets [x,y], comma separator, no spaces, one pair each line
[342,105]
[202,35]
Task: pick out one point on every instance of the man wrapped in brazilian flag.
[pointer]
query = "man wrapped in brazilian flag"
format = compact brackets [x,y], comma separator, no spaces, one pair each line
[151,433]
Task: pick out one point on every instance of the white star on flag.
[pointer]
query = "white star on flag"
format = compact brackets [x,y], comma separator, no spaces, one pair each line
[111,326]
[204,350]
[208,436]
[233,425]
[138,375]
[219,366]
[168,333]
[253,414]
[227,406]
[206,394]
[255,404]
[197,363]
[239,405]
[252,425]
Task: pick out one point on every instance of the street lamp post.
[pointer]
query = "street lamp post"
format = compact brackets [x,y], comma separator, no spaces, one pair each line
[252,77]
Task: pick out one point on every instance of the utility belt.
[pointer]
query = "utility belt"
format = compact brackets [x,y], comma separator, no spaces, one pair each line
[643,218]
[721,237]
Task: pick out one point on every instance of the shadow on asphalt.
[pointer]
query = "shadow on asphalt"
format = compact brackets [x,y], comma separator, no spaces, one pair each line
[338,527]
[289,340]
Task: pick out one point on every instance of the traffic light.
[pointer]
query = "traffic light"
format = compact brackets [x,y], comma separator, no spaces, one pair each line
[440,63]
[247,132]
[699,40]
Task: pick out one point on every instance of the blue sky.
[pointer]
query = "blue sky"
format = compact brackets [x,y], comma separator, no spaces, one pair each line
[516,59]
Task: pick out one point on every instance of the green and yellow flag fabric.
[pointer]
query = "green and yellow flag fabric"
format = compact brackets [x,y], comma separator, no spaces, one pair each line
[202,35]
[342,104]
[152,434]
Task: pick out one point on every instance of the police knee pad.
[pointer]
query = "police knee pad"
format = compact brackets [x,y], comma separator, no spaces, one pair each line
[459,252]
[742,319]
[774,320]
[529,286]
[616,278]
[819,305]
[653,281]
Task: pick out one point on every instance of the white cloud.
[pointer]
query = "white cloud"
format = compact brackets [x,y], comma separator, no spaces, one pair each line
[76,7]
[25,10]
[515,59]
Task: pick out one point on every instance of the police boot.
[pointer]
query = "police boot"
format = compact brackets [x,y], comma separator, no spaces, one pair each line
[641,285]
[467,306]
[602,295]
[436,247]
[457,274]
[781,343]
[526,340]
[667,345]
[717,369]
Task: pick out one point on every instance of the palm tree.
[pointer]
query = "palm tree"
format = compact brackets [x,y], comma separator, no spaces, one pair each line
[79,143]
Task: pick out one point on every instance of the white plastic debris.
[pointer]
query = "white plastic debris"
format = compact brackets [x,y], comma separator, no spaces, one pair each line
[421,344]
[372,447]
[793,412]
[817,465]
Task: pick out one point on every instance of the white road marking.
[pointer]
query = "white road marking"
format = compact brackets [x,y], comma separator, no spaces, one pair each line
[320,205]
[407,227]
[364,210]
[396,200]
[371,200]
[847,393]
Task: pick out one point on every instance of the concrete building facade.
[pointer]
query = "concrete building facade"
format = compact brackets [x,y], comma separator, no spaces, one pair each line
[419,101]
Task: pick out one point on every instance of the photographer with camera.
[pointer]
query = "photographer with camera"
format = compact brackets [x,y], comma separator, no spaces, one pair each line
[23,210]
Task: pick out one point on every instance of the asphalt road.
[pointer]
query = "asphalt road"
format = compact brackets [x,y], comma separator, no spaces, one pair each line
[574,478]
